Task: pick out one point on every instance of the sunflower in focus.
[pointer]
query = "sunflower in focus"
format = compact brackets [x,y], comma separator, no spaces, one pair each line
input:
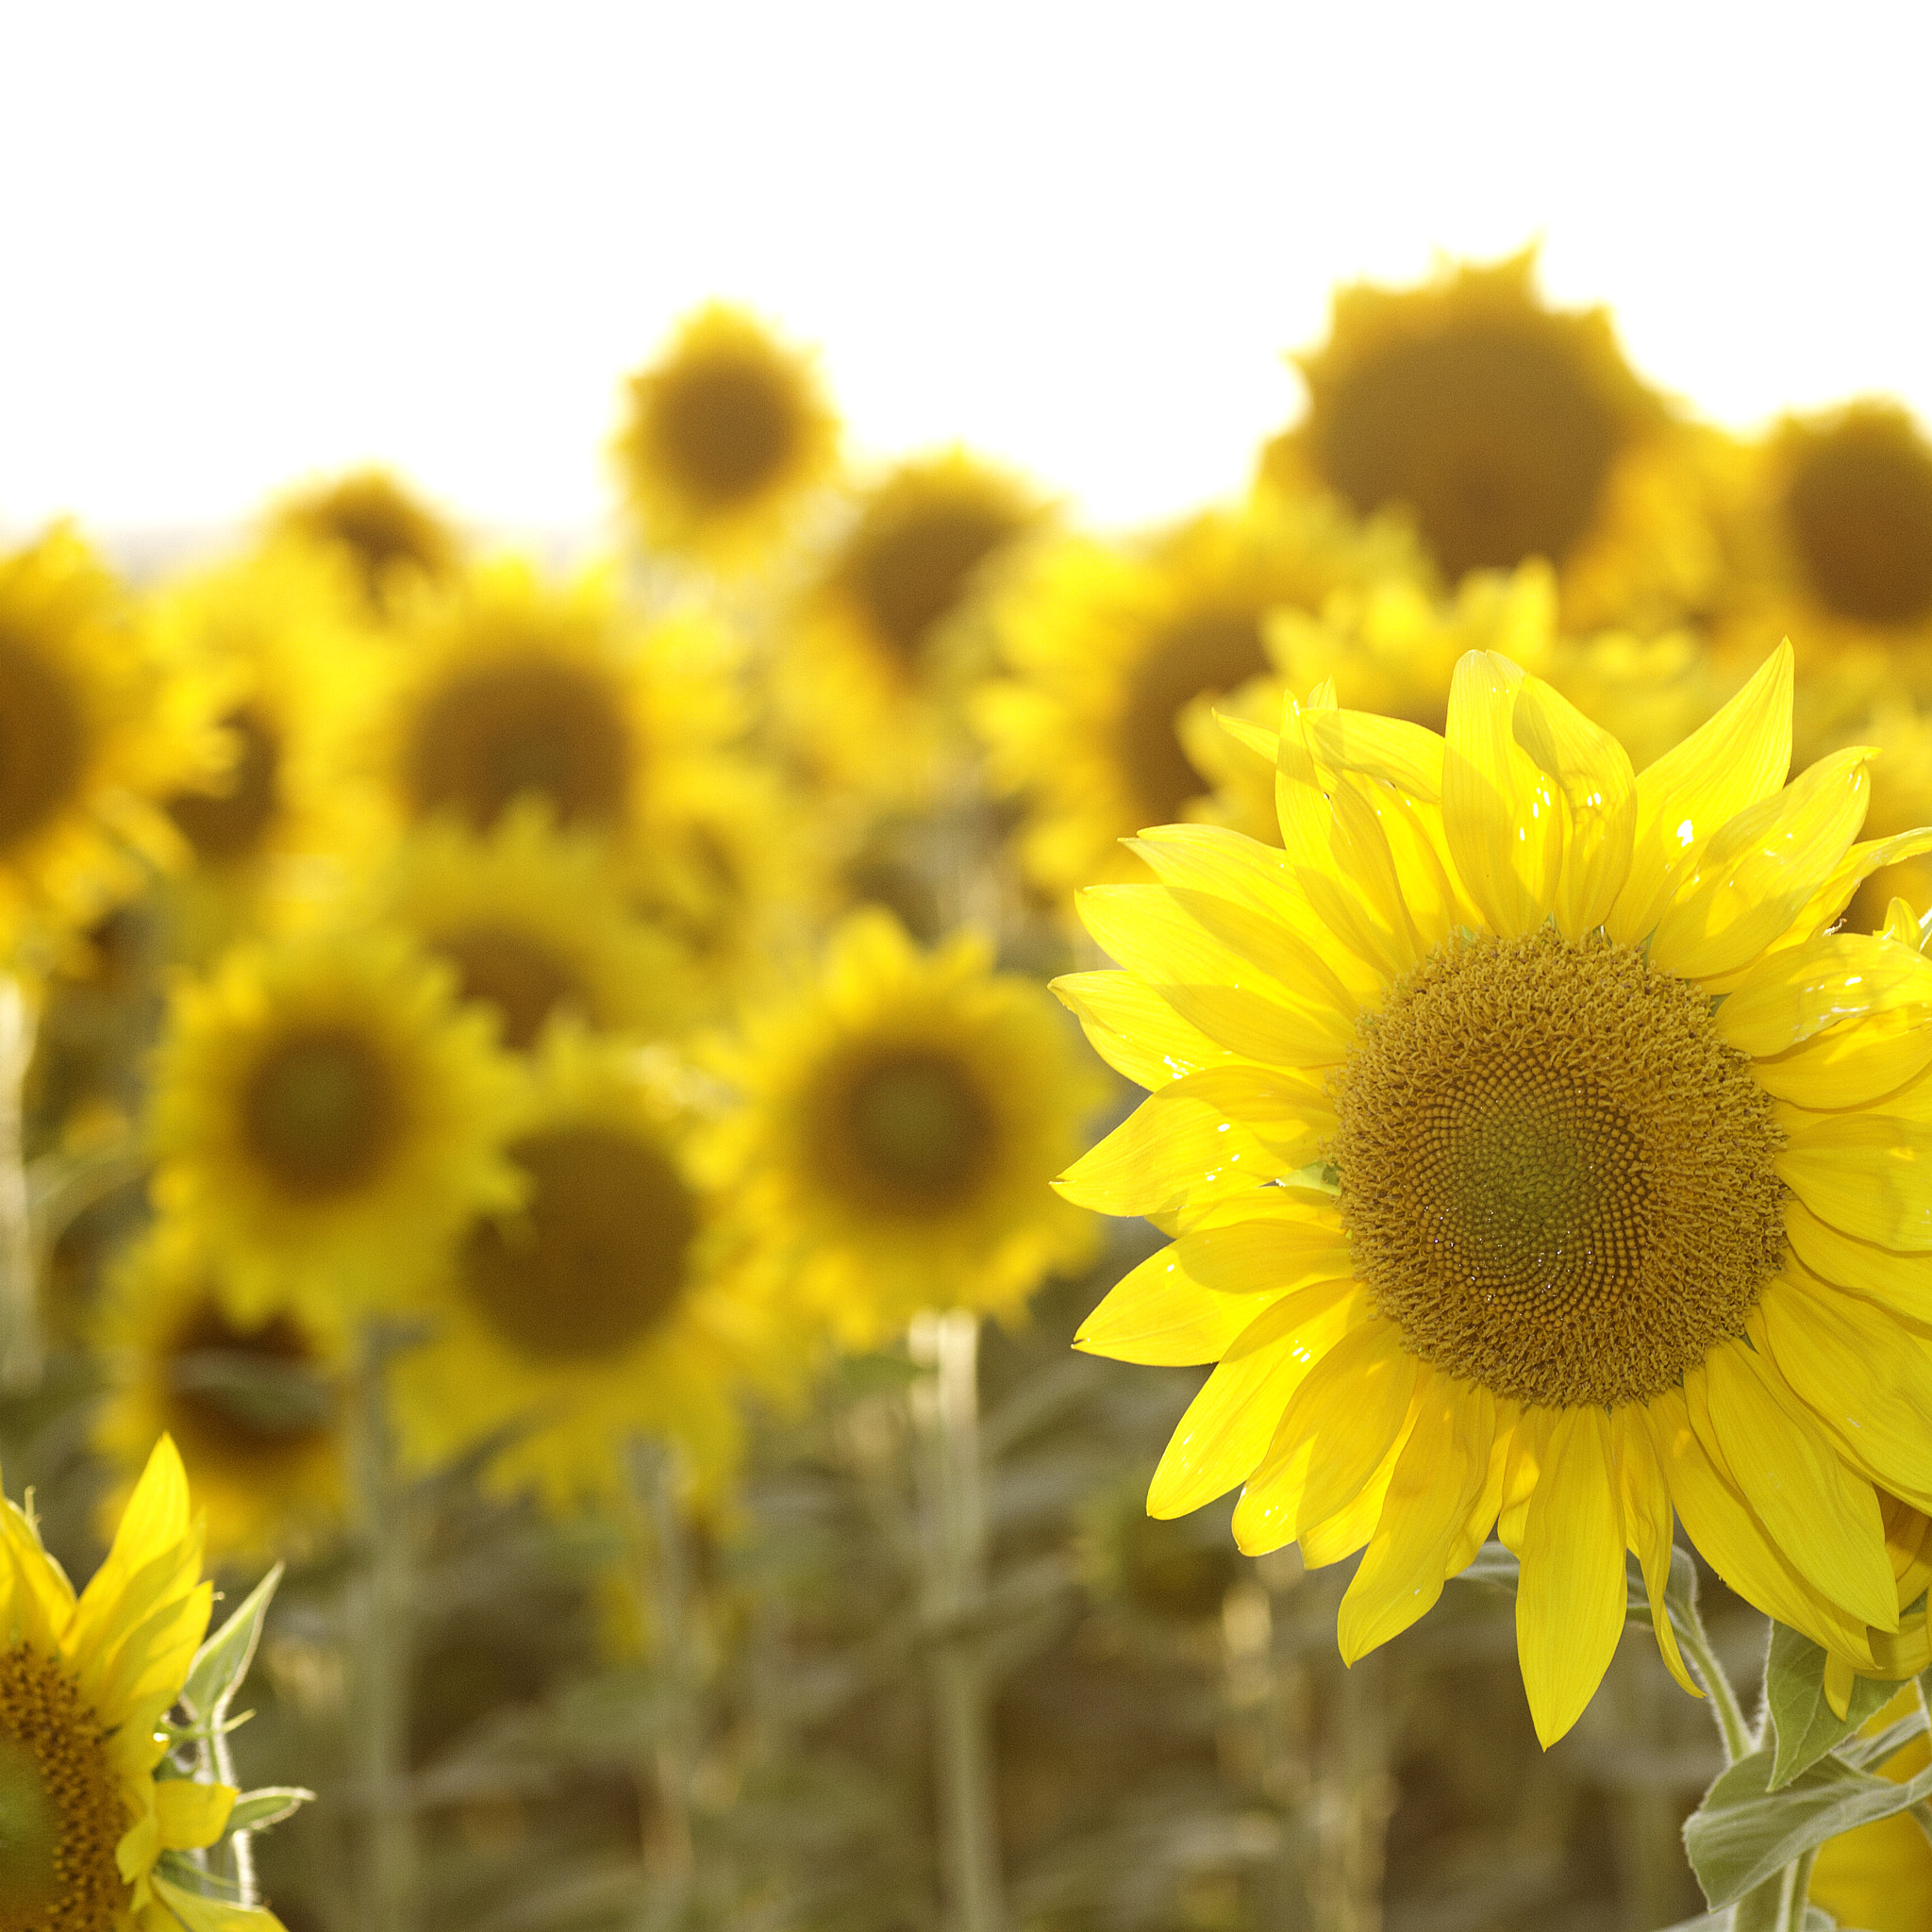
[1107,646]
[728,434]
[516,689]
[83,1685]
[95,732]
[899,1120]
[878,651]
[1541,1162]
[324,1118]
[391,542]
[1509,429]
[533,922]
[255,1406]
[608,1305]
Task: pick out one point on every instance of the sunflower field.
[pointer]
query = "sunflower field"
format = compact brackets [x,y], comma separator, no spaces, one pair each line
[891,1215]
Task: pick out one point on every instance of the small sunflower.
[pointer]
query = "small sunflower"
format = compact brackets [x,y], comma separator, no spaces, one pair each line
[882,638]
[728,434]
[84,1684]
[1107,646]
[608,1306]
[1541,1162]
[1508,430]
[898,1123]
[391,542]
[95,732]
[533,923]
[256,1406]
[324,1118]
[517,687]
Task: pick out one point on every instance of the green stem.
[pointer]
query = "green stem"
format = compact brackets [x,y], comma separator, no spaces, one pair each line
[954,1538]
[23,1352]
[1778,1904]
[1738,1738]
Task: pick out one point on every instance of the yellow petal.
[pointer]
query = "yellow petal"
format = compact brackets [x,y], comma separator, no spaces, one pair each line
[154,1524]
[1827,905]
[1570,1605]
[1852,1064]
[1133,1030]
[1648,1526]
[1868,1174]
[1349,1529]
[1404,756]
[1520,1473]
[1481,1519]
[212,1914]
[1597,791]
[191,1815]
[1169,1150]
[1499,811]
[1902,1282]
[1798,993]
[1286,1109]
[1227,1429]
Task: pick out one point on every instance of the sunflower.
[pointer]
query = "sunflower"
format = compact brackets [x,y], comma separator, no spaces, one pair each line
[899,1122]
[1508,430]
[533,922]
[517,687]
[83,1687]
[1109,644]
[255,1406]
[728,434]
[883,637]
[1541,1162]
[324,1119]
[391,542]
[94,734]
[608,1306]
[1879,1877]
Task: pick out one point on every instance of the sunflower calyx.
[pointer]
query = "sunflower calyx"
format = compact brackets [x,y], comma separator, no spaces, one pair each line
[223,1661]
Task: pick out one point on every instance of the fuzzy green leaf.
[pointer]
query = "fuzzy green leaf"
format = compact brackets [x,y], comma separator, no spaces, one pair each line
[223,1661]
[1804,1725]
[268,1805]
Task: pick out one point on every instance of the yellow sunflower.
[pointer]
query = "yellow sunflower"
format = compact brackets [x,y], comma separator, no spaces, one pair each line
[1540,1163]
[1879,1877]
[1508,430]
[1109,644]
[84,1684]
[255,1408]
[93,733]
[728,434]
[898,1123]
[533,922]
[608,1306]
[390,541]
[874,659]
[518,688]
[324,1118]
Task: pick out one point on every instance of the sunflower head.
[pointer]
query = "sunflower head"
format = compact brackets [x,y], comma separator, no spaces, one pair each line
[1497,421]
[390,541]
[727,432]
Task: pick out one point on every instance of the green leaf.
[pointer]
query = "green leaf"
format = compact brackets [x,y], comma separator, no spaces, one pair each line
[1743,1832]
[269,1804]
[223,1661]
[1804,1725]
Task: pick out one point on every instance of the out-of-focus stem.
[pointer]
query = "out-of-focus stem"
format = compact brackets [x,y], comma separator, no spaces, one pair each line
[1725,1708]
[22,1349]
[954,1546]
[1357,1795]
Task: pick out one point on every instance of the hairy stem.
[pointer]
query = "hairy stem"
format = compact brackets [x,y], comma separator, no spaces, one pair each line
[1739,1740]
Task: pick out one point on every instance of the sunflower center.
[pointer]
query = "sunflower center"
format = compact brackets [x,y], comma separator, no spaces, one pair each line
[909,574]
[40,742]
[240,1397]
[907,1133]
[380,525]
[1860,508]
[600,1255]
[726,427]
[1490,434]
[1556,1179]
[320,1111]
[524,981]
[1206,651]
[62,1813]
[230,825]
[494,732]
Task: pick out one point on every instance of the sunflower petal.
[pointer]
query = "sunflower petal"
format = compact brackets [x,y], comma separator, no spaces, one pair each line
[1902,1283]
[1169,1150]
[1158,1314]
[1598,791]
[1133,1030]
[1648,1527]
[1868,1174]
[1797,993]
[1498,810]
[191,1816]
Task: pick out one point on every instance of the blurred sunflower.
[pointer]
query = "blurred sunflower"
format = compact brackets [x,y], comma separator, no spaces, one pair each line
[93,733]
[1879,1877]
[516,688]
[83,1685]
[391,542]
[324,1118]
[729,435]
[1501,1033]
[255,1406]
[899,1122]
[1107,646]
[533,922]
[875,657]
[1508,430]
[606,1306]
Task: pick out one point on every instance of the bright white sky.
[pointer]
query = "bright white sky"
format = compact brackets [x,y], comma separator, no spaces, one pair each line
[242,243]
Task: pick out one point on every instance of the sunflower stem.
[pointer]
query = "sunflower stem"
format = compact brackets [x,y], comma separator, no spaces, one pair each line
[242,1845]
[23,1354]
[945,1411]
[1739,1740]
[1778,1905]
[383,1652]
